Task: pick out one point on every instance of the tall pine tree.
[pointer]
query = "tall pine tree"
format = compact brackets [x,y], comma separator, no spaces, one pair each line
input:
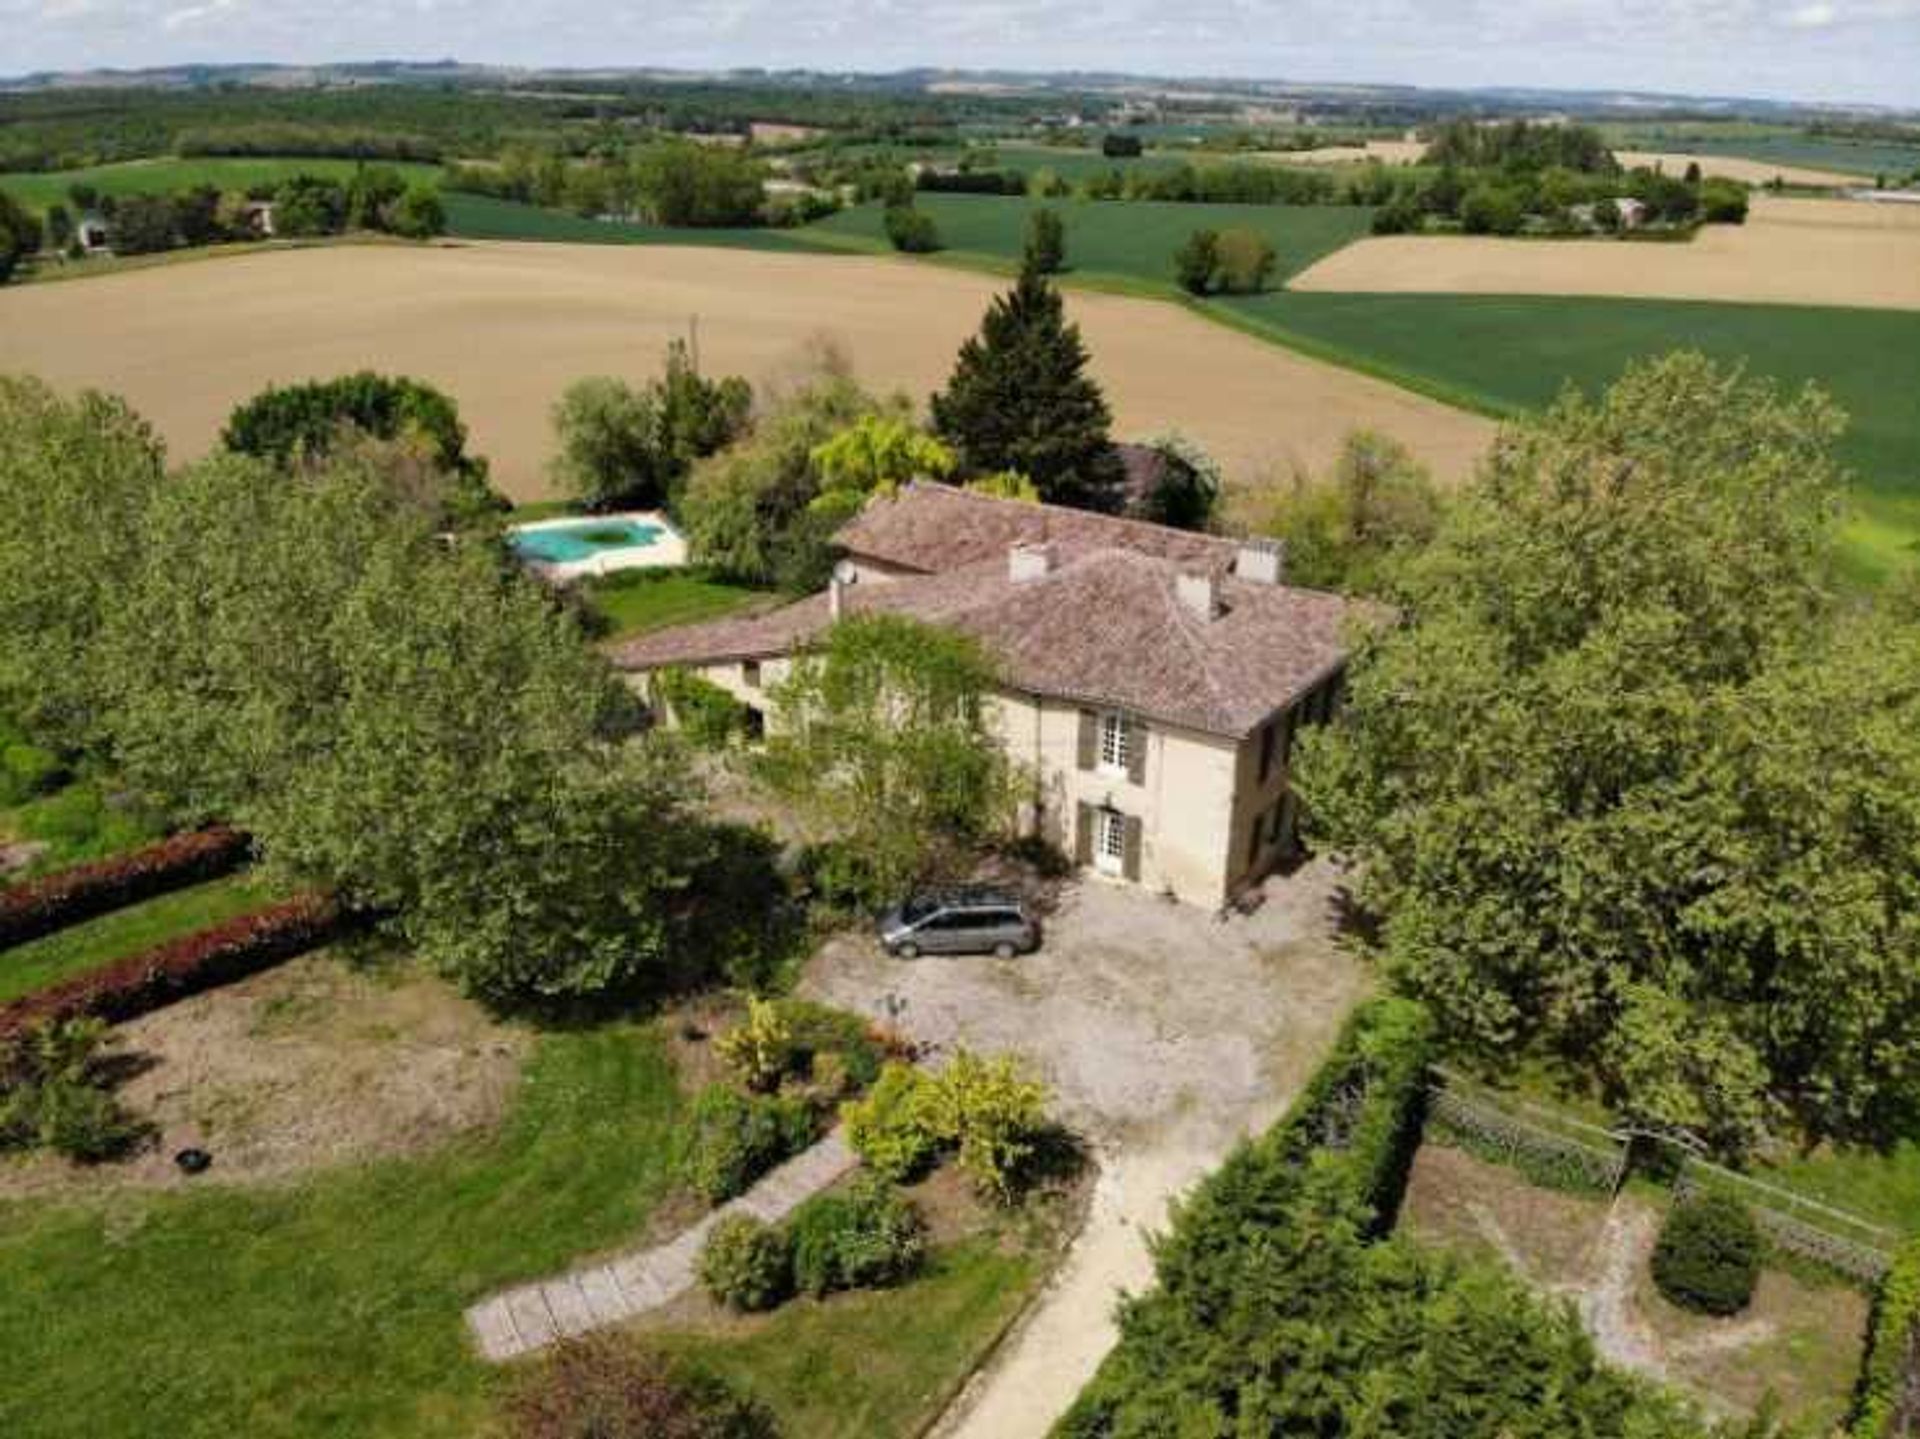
[1021,399]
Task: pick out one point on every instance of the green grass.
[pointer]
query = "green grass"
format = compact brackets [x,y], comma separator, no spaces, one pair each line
[636,603]
[89,945]
[330,1307]
[39,189]
[1770,144]
[1131,240]
[481,217]
[1504,354]
[1883,1188]
[876,1363]
[77,823]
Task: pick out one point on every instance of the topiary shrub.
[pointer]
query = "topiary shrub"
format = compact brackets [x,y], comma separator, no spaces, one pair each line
[892,1128]
[1708,1255]
[865,1239]
[604,1386]
[735,1138]
[747,1264]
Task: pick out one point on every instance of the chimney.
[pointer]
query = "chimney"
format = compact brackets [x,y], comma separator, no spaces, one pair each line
[1261,562]
[1029,562]
[1199,593]
[837,587]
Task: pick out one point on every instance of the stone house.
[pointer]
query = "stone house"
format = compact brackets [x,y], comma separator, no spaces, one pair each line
[1152,679]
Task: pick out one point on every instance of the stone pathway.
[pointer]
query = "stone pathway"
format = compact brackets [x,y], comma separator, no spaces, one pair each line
[529,1318]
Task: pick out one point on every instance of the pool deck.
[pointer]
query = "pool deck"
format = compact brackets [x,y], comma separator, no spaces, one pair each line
[668,551]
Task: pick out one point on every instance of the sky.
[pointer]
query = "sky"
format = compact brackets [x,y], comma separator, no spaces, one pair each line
[1861,51]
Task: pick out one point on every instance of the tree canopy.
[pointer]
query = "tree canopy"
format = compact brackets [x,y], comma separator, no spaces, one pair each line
[1020,398]
[621,444]
[1630,786]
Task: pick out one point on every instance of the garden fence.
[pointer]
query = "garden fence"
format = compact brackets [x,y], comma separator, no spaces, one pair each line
[1547,1146]
[1805,1227]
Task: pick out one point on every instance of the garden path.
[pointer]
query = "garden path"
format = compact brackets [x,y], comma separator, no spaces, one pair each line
[611,1291]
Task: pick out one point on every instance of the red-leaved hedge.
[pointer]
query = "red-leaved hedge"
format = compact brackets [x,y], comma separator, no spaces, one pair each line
[54,901]
[205,959]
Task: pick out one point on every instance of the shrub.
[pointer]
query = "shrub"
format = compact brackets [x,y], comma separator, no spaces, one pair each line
[911,231]
[41,906]
[1194,262]
[27,770]
[865,1239]
[821,1034]
[53,1094]
[747,1264]
[1889,1389]
[760,1048]
[734,1138]
[708,716]
[1243,261]
[892,1128]
[210,957]
[1708,1255]
[604,1386]
[994,1115]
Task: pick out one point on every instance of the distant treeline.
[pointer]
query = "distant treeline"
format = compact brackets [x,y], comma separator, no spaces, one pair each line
[1222,184]
[671,182]
[1518,145]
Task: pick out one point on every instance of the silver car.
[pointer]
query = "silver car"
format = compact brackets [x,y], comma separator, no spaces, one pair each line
[963,921]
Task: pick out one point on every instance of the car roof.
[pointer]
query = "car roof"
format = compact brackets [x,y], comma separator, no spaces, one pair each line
[977,896]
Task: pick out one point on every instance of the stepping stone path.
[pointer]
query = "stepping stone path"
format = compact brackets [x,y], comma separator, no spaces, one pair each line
[533,1316]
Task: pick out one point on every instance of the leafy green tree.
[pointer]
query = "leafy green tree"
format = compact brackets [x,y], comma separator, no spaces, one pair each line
[750,511]
[309,205]
[19,235]
[1005,485]
[875,455]
[1343,531]
[1187,488]
[1492,210]
[1195,261]
[609,452]
[911,230]
[1046,248]
[143,225]
[1243,261]
[1020,398]
[1626,746]
[879,740]
[697,416]
[76,478]
[684,184]
[59,229]
[370,193]
[417,214]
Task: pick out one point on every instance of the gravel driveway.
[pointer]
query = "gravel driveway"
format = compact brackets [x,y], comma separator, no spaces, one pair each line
[1166,1034]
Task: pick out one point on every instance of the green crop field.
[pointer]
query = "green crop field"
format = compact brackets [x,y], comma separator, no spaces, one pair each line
[1510,353]
[1771,144]
[1131,240]
[481,217]
[39,189]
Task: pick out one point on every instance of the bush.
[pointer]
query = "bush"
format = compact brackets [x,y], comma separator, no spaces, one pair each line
[604,1386]
[1243,261]
[747,1264]
[867,1238]
[1194,262]
[892,1128]
[821,1034]
[1889,1389]
[44,905]
[711,718]
[735,1138]
[912,231]
[53,1094]
[994,1116]
[203,960]
[1708,1255]
[759,1050]
[27,770]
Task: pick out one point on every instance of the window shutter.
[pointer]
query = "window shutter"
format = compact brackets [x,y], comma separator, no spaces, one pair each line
[1136,752]
[1083,834]
[1089,737]
[1130,863]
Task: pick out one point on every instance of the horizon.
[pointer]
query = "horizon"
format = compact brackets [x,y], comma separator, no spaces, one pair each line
[1833,53]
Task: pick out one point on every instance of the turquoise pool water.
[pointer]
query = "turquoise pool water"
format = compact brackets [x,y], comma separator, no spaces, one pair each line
[582,539]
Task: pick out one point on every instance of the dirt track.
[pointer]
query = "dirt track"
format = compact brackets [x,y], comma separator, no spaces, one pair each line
[505,327]
[1802,252]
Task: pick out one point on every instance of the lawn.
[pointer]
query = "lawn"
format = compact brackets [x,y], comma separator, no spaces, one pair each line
[1881,1187]
[38,189]
[1509,353]
[880,1362]
[79,822]
[640,601]
[81,947]
[1129,240]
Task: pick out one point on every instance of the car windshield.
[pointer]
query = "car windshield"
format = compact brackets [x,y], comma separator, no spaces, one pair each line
[918,908]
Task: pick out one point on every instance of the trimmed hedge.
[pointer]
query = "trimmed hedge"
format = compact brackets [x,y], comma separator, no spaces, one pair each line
[1708,1255]
[203,960]
[41,906]
[1889,1402]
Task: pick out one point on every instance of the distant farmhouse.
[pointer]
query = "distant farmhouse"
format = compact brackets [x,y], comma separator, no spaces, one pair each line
[1152,679]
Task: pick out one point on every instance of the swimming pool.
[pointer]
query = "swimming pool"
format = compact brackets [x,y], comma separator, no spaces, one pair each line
[572,540]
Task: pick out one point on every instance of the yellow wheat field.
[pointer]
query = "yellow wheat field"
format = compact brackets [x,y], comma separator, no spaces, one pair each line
[1803,252]
[503,328]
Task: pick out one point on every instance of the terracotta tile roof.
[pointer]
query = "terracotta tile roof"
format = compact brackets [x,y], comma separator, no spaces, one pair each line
[933,527]
[1103,626]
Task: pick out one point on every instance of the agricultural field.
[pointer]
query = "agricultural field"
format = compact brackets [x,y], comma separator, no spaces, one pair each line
[1790,251]
[1108,239]
[505,328]
[1772,147]
[1503,354]
[37,190]
[1744,168]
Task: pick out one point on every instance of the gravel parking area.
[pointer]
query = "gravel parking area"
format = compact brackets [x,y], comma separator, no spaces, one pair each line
[1166,1033]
